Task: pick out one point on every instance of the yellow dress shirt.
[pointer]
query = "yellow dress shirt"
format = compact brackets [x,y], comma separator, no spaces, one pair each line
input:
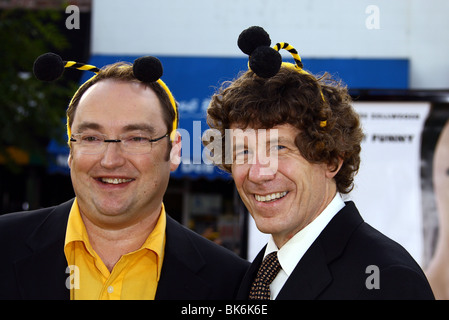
[135,275]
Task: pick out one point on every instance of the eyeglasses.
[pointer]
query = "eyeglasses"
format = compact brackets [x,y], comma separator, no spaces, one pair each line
[129,143]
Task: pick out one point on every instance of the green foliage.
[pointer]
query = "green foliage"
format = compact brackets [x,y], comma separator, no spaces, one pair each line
[31,111]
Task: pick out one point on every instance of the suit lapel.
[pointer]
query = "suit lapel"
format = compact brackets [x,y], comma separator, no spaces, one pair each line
[312,275]
[41,274]
[182,261]
[309,278]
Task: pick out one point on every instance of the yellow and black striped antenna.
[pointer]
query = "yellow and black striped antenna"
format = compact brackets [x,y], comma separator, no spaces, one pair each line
[292,50]
[81,66]
[266,61]
[50,66]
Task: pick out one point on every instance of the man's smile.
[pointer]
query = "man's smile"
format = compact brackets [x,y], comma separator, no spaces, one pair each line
[114,180]
[270,197]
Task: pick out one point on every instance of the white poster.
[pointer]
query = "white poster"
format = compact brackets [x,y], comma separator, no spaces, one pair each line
[387,188]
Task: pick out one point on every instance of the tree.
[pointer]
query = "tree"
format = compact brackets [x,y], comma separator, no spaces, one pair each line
[31,112]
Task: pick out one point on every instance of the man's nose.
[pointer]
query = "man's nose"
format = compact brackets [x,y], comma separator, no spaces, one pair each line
[262,171]
[113,155]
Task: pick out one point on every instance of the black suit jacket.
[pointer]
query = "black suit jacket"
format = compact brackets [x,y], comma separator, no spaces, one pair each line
[33,265]
[335,265]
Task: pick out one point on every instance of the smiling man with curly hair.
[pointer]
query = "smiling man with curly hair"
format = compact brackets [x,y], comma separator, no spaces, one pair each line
[320,247]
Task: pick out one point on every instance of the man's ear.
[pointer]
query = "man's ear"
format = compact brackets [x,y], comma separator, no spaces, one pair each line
[175,153]
[69,159]
[332,169]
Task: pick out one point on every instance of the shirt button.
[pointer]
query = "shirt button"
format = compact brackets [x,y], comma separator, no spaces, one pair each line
[110,289]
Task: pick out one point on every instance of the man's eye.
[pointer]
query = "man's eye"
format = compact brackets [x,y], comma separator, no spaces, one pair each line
[242,156]
[137,139]
[91,138]
[279,147]
[243,152]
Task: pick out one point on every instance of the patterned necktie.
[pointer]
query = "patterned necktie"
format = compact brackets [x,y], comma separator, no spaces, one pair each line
[260,290]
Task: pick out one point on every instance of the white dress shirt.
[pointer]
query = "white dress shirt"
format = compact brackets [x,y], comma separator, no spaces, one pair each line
[293,250]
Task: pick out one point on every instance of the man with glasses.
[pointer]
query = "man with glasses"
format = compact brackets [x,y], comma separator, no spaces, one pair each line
[114,240]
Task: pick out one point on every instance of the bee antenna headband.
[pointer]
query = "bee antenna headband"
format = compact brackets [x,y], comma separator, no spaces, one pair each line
[50,66]
[266,61]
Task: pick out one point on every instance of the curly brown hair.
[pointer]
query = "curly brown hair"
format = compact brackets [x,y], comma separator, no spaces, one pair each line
[294,98]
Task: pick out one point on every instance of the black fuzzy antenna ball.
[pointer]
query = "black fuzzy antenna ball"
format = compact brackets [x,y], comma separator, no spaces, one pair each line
[252,38]
[265,62]
[147,69]
[48,67]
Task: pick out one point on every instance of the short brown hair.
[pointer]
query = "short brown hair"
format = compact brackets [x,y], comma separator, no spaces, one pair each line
[122,71]
[295,98]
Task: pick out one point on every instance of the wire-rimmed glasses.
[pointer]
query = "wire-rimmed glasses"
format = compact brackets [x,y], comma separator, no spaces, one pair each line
[88,143]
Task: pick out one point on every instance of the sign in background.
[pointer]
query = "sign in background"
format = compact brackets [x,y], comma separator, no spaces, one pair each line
[388,187]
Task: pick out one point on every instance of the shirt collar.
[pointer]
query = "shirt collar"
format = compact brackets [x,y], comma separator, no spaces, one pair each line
[294,249]
[76,231]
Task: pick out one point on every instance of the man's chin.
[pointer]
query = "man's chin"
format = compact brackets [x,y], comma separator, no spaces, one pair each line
[266,225]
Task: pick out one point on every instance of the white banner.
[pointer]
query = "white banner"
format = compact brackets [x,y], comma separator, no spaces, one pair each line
[388,186]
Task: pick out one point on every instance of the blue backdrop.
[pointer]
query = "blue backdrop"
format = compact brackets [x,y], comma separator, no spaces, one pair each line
[193,80]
